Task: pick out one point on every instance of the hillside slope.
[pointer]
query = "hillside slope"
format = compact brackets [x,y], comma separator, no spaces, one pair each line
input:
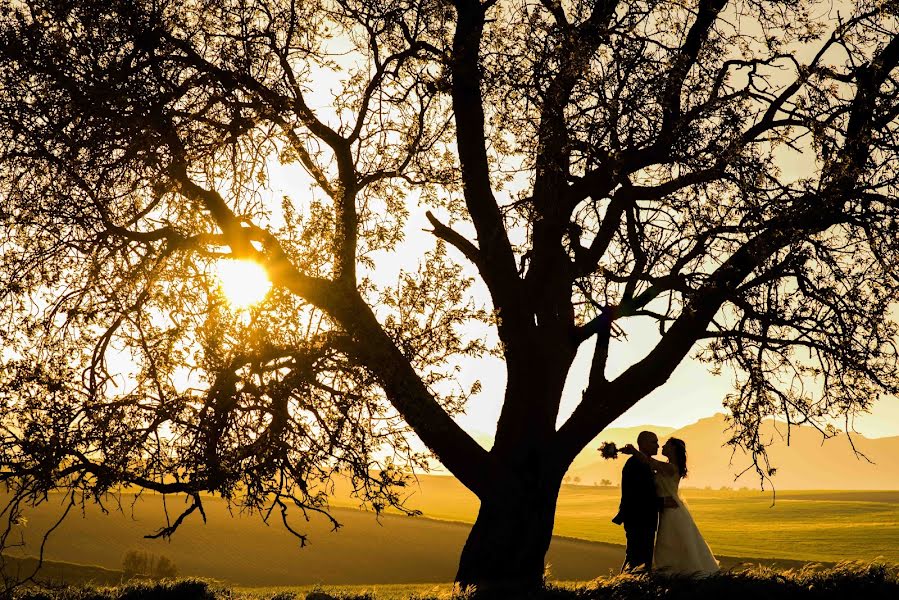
[54,573]
[245,551]
[241,549]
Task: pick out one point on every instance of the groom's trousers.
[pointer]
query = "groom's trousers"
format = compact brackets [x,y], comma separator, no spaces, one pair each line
[640,544]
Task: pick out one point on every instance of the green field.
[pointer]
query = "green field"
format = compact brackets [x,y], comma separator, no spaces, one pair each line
[241,550]
[816,527]
[827,526]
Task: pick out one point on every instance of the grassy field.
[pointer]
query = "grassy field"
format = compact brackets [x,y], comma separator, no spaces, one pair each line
[239,549]
[828,526]
[242,550]
[819,526]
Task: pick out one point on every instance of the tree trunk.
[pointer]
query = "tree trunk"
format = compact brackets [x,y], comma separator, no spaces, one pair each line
[507,545]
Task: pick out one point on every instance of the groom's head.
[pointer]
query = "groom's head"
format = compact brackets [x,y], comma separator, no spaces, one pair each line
[648,443]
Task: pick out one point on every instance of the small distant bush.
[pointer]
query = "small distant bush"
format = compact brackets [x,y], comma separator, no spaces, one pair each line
[137,563]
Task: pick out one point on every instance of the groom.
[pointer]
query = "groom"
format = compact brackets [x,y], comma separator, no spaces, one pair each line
[640,506]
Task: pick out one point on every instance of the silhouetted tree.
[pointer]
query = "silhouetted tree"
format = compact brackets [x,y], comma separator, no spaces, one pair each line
[134,562]
[146,564]
[163,568]
[725,171]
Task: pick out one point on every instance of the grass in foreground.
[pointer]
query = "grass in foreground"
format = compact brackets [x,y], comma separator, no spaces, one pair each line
[871,581]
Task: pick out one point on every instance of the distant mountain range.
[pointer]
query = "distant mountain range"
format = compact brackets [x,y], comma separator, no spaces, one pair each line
[809,462]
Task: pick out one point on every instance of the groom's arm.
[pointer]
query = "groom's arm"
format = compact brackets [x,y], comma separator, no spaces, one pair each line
[619,518]
[628,485]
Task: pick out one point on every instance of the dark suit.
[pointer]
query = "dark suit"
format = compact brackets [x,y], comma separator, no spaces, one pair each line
[639,513]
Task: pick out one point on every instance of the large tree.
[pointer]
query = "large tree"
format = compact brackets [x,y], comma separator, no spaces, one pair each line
[725,170]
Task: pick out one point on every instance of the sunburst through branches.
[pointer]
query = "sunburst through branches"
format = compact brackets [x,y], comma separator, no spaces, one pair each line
[243,282]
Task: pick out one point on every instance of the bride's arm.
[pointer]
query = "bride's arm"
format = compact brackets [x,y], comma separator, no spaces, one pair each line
[665,468]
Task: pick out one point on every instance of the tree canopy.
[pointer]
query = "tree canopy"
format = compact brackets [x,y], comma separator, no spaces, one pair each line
[725,170]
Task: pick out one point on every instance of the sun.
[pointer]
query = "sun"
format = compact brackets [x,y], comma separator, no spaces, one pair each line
[243,282]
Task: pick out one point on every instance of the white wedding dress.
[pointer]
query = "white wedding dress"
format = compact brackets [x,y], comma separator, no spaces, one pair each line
[680,548]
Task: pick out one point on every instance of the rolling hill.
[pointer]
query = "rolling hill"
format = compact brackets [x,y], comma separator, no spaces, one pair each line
[241,549]
[54,572]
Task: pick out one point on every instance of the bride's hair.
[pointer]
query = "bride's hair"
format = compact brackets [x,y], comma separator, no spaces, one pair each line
[680,452]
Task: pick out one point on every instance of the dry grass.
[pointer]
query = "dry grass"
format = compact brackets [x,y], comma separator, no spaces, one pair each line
[868,581]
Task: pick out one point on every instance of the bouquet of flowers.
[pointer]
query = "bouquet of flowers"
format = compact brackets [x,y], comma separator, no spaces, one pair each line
[608,450]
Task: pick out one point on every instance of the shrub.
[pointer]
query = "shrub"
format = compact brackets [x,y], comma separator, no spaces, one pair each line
[137,563]
[870,581]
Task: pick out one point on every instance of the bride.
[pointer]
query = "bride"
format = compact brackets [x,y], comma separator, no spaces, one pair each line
[680,548]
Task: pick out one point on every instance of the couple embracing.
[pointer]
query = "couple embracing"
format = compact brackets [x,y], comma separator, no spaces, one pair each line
[650,503]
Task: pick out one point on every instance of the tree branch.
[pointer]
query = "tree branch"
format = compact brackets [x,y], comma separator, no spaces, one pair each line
[707,13]
[456,239]
[500,275]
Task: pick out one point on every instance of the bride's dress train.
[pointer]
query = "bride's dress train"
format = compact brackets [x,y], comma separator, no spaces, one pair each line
[680,548]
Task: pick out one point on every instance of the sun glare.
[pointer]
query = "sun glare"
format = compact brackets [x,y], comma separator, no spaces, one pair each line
[243,282]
